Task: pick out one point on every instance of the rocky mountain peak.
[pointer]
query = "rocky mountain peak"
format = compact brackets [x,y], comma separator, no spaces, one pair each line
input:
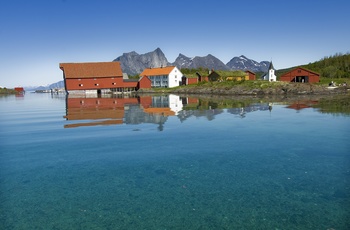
[133,63]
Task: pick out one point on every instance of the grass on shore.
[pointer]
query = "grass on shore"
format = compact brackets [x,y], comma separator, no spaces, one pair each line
[249,84]
[7,91]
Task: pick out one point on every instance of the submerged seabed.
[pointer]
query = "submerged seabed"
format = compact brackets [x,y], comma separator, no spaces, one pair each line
[278,169]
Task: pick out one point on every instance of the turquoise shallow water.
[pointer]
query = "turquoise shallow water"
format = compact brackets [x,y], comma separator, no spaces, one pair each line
[207,167]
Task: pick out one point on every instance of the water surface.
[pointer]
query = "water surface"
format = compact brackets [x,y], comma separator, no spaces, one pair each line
[170,162]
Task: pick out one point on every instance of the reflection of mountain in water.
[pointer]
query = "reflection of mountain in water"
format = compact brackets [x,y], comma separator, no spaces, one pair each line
[242,111]
[210,110]
[134,114]
[209,114]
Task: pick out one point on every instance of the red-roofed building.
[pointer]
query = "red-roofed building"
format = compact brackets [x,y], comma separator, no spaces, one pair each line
[300,75]
[97,77]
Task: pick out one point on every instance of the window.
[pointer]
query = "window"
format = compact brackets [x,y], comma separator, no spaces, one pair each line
[81,85]
[96,84]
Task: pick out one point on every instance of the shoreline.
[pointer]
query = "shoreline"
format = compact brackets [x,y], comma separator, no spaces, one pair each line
[264,89]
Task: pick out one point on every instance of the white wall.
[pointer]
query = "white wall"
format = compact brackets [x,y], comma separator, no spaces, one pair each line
[174,78]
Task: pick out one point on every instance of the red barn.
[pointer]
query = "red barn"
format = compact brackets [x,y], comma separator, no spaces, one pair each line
[301,75]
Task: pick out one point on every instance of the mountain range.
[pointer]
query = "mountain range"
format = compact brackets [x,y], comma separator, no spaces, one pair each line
[133,63]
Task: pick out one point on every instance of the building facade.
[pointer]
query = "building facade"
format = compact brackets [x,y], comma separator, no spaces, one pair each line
[301,75]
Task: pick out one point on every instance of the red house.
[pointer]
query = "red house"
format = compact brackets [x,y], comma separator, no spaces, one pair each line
[300,75]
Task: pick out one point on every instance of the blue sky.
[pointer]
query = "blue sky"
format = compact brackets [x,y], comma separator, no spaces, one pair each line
[37,35]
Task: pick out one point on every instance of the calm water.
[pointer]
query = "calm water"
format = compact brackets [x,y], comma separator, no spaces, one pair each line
[174,163]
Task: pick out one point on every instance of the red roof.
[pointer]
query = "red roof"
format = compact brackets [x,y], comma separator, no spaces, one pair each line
[157,71]
[307,70]
[91,69]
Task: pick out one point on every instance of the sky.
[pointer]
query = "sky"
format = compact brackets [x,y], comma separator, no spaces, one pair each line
[37,35]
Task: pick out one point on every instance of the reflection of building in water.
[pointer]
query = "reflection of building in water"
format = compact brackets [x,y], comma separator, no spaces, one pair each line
[104,111]
[128,110]
[153,109]
[303,104]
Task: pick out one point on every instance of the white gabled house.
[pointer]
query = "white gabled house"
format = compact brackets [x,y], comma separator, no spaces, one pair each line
[164,77]
[270,75]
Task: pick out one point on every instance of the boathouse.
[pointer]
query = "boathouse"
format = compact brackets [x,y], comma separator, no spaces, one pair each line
[300,74]
[97,78]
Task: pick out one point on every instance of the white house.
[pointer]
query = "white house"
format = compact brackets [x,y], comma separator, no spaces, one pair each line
[270,75]
[165,77]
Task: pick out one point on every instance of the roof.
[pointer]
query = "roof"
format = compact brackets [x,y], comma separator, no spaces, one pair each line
[307,70]
[271,66]
[157,71]
[91,69]
[248,71]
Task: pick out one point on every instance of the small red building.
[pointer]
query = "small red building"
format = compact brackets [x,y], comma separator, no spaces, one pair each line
[301,75]
[144,83]
[251,75]
[19,89]
[189,80]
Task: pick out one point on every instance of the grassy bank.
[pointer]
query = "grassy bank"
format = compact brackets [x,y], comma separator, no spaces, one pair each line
[254,88]
[5,91]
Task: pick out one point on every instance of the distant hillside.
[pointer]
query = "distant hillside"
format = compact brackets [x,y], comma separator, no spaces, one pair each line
[57,85]
[336,66]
